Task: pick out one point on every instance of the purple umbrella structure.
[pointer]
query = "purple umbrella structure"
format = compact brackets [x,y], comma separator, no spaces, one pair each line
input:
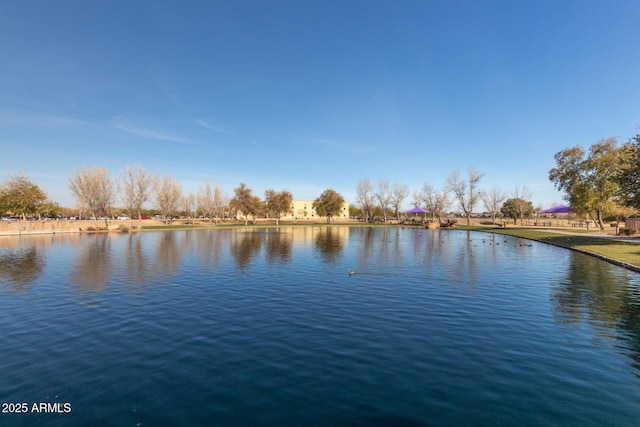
[557,209]
[416,210]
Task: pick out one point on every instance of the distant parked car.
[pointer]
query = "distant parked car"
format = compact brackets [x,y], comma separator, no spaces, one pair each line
[145,217]
[123,217]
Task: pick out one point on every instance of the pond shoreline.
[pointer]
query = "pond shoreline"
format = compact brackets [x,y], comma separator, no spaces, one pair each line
[572,241]
[582,242]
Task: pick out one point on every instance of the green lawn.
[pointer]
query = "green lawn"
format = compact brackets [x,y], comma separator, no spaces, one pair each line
[621,252]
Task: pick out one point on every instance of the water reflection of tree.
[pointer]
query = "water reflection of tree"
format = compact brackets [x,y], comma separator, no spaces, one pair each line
[169,253]
[465,268]
[210,247]
[329,242]
[245,246]
[380,247]
[591,291]
[136,261]
[278,246]
[20,267]
[631,324]
[92,269]
[603,296]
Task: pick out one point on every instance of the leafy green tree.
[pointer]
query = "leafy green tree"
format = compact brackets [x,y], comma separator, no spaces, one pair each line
[278,203]
[591,183]
[329,204]
[245,203]
[629,176]
[22,197]
[50,209]
[517,208]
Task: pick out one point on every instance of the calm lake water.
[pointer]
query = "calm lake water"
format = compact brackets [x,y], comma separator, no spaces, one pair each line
[265,327]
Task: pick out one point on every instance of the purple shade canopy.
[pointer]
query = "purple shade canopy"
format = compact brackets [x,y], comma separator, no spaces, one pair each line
[557,209]
[417,210]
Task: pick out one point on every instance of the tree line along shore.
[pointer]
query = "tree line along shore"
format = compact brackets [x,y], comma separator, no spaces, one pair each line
[601,184]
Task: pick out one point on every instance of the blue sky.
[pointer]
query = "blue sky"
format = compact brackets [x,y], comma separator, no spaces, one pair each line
[308,95]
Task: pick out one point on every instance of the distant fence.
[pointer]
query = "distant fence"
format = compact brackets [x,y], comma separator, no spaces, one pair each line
[12,228]
[632,224]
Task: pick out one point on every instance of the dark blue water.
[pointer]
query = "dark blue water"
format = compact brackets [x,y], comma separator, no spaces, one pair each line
[264,327]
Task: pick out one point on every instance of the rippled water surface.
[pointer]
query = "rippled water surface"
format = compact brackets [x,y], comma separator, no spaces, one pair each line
[265,327]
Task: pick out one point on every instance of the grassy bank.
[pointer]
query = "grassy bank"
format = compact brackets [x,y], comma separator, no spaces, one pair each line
[626,254]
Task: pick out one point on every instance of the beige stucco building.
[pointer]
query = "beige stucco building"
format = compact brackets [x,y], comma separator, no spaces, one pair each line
[303,210]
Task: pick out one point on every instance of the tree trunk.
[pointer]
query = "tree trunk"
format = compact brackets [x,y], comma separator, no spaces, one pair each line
[600,220]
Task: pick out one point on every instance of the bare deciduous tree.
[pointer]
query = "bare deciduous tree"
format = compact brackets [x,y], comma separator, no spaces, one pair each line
[206,201]
[220,201]
[383,196]
[168,194]
[521,198]
[212,201]
[189,204]
[137,185]
[417,199]
[398,194]
[492,200]
[436,202]
[94,190]
[465,191]
[365,197]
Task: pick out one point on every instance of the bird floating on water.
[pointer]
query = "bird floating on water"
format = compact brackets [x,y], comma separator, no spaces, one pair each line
[351,272]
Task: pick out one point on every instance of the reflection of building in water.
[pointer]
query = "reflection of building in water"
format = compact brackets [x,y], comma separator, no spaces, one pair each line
[306,234]
[276,244]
